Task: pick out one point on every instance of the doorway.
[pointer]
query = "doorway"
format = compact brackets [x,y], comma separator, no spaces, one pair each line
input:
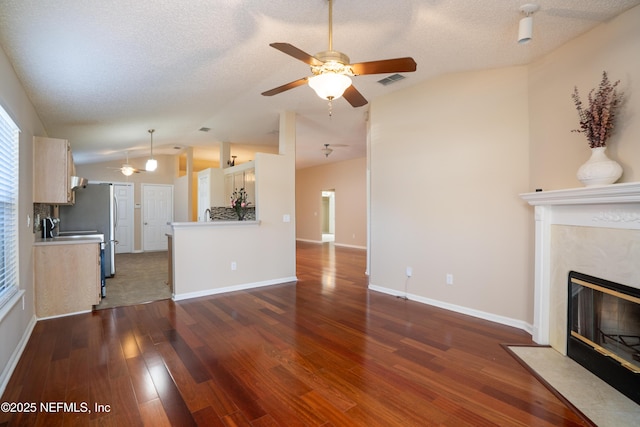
[328,216]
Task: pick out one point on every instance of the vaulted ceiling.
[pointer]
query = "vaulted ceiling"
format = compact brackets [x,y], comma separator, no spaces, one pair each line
[101,73]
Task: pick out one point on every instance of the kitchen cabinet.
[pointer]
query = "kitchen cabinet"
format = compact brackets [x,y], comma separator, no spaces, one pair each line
[67,278]
[52,170]
[243,176]
[211,191]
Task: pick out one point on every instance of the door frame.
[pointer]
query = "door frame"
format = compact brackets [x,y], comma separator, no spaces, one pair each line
[329,215]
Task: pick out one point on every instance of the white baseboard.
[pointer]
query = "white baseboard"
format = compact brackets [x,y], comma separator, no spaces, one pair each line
[527,327]
[6,373]
[349,246]
[310,241]
[245,286]
[65,315]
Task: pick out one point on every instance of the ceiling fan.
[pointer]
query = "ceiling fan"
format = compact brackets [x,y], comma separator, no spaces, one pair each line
[126,169]
[332,70]
[326,150]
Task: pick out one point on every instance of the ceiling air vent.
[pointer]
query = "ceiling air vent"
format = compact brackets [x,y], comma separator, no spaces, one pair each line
[391,79]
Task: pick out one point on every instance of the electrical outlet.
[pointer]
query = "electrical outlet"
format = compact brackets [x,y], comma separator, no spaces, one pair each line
[409,271]
[449,279]
[234,266]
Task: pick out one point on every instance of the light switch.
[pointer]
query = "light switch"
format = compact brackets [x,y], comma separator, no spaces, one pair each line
[286,218]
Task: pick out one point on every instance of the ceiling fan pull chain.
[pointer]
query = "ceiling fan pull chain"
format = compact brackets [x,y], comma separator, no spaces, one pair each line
[330,108]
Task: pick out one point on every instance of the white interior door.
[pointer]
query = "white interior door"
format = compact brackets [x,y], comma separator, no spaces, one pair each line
[157,212]
[124,217]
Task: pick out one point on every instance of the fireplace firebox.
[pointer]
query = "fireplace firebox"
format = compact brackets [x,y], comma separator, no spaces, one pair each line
[604,331]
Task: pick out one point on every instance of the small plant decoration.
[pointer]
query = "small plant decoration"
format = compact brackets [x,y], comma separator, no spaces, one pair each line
[597,121]
[239,203]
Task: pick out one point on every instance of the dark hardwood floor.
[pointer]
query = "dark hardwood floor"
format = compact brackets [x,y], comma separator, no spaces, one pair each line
[324,351]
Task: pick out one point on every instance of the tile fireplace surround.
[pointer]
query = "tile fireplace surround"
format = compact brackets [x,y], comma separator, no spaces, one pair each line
[592,230]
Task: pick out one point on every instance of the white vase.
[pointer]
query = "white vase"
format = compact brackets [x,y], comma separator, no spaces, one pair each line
[599,169]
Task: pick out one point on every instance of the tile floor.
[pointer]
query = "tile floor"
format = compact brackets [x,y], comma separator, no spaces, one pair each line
[603,404]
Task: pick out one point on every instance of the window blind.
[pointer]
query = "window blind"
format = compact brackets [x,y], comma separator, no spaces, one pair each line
[9,144]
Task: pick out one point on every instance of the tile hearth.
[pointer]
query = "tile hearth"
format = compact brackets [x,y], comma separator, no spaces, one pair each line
[601,403]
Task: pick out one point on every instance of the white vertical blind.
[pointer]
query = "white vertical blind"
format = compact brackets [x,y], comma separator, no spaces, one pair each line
[9,144]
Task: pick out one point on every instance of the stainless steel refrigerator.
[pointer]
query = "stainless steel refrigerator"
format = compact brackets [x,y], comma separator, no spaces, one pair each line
[93,212]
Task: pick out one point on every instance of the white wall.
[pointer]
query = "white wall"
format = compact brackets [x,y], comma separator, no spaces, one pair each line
[448,160]
[16,324]
[180,199]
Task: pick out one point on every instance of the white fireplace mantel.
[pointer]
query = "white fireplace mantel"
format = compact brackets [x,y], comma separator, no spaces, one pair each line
[609,206]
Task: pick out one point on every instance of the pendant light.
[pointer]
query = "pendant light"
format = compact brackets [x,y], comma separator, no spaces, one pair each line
[152,163]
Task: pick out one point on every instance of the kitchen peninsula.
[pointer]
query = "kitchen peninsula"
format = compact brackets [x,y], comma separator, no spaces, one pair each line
[222,256]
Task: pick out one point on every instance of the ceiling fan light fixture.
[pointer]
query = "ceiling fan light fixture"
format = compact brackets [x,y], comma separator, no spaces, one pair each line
[326,150]
[127,170]
[330,85]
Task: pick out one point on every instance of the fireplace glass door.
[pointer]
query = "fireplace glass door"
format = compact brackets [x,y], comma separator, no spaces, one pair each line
[604,330]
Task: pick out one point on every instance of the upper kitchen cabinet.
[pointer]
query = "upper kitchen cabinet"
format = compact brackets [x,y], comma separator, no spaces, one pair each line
[241,176]
[211,191]
[52,170]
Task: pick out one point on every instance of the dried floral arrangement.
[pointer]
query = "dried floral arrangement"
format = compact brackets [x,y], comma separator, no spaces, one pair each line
[596,121]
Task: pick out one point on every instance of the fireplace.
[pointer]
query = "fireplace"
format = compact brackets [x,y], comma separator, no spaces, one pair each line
[592,230]
[603,330]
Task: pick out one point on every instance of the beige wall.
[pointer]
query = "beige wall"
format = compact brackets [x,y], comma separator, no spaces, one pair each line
[15,321]
[448,160]
[107,172]
[556,152]
[447,165]
[450,156]
[264,252]
[348,179]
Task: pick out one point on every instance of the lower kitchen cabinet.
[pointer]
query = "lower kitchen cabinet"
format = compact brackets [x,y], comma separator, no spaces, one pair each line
[67,278]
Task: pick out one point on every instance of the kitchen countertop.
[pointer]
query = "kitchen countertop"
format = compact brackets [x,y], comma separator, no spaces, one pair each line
[217,223]
[68,240]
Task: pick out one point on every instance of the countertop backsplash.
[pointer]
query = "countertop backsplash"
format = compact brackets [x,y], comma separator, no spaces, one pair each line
[229,214]
[40,212]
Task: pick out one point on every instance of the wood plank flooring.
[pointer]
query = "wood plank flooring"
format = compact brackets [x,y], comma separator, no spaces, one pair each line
[324,351]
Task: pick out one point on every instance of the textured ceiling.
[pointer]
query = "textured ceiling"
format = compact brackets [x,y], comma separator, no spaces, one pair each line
[100,73]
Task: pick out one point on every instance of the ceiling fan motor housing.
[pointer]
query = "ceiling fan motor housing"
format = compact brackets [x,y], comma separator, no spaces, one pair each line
[332,62]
